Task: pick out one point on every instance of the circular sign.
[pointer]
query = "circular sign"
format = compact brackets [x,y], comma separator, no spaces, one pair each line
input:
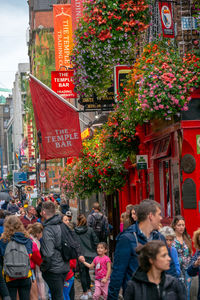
[42,174]
[188,163]
[166,16]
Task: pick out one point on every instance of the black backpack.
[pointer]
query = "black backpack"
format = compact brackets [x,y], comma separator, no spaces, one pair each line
[69,244]
[99,226]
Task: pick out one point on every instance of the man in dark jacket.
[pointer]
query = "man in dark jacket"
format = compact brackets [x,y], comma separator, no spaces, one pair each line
[125,257]
[12,207]
[99,223]
[53,267]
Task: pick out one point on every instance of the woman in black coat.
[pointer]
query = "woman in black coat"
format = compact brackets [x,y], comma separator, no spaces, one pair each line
[88,241]
[150,280]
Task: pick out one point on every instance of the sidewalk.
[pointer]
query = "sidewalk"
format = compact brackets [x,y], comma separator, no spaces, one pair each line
[79,291]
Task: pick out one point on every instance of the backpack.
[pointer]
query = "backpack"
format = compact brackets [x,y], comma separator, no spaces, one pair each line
[16,262]
[98,226]
[69,244]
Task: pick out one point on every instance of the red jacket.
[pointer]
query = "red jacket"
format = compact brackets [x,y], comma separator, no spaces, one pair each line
[72,264]
[26,221]
[35,258]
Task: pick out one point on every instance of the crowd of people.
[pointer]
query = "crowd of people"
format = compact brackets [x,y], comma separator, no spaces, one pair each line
[151,261]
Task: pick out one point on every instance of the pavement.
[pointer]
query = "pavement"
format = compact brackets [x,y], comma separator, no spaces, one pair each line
[78,288]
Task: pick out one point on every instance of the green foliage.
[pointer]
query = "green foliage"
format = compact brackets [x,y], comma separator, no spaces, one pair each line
[105,37]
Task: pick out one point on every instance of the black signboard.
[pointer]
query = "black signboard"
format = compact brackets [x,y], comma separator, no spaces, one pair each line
[97,103]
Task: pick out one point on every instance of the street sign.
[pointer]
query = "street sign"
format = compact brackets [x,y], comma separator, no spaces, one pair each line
[42,176]
[20,176]
[142,162]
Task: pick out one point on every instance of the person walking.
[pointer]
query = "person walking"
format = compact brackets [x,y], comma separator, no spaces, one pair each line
[35,230]
[99,223]
[54,269]
[88,241]
[102,265]
[125,257]
[194,265]
[15,234]
[12,207]
[170,235]
[183,245]
[150,280]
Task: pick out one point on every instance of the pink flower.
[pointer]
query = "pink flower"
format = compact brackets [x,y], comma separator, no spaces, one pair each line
[161,106]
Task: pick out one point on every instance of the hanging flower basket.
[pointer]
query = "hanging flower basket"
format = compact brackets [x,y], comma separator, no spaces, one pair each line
[162,81]
[105,37]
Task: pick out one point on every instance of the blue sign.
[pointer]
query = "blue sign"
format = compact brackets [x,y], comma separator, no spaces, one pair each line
[20,176]
[188,23]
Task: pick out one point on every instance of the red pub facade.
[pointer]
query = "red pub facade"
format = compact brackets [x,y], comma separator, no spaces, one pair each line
[173,174]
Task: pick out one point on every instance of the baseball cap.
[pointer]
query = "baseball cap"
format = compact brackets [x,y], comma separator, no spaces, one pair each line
[68,213]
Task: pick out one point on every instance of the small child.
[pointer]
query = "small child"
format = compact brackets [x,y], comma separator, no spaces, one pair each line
[69,280]
[102,266]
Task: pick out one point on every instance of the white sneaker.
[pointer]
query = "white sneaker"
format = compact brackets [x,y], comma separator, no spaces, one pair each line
[89,295]
[84,297]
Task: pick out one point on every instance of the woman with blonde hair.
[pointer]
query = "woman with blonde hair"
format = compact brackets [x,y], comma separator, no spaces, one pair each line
[35,230]
[194,266]
[14,231]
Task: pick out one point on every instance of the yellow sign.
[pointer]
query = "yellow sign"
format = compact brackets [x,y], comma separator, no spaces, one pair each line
[85,134]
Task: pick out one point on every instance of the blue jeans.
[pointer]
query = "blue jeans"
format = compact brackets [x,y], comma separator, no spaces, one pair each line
[67,287]
[188,284]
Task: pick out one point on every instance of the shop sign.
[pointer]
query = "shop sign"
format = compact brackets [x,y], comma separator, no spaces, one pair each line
[77,12]
[62,35]
[95,103]
[166,17]
[57,123]
[62,83]
[120,78]
[198,143]
[85,134]
[142,162]
[188,23]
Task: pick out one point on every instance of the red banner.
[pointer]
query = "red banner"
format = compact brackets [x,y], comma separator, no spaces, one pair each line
[166,17]
[77,12]
[57,123]
[62,83]
[62,35]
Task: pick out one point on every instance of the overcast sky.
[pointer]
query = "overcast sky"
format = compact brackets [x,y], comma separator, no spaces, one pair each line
[13,48]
